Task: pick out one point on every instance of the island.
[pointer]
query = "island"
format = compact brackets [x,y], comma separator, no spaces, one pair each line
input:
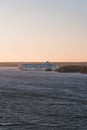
[73,69]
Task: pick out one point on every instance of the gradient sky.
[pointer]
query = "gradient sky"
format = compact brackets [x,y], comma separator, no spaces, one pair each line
[41,30]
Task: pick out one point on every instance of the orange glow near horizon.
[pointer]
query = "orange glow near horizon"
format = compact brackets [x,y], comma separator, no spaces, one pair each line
[32,31]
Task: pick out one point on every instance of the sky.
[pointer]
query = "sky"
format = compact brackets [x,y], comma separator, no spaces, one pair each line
[43,30]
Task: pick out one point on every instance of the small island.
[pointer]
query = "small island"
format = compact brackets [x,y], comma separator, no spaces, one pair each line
[73,69]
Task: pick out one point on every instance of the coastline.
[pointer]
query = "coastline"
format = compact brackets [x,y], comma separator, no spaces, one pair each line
[60,64]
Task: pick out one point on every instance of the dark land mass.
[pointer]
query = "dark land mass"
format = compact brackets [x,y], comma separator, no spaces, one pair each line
[64,67]
[60,64]
[73,69]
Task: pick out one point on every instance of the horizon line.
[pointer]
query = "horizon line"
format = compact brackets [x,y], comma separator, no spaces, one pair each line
[41,61]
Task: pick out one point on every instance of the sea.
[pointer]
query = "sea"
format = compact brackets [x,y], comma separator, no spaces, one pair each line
[39,100]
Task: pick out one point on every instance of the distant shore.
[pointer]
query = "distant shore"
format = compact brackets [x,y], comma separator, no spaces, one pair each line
[60,64]
[73,69]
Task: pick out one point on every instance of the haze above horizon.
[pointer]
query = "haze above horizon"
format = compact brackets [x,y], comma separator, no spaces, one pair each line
[41,30]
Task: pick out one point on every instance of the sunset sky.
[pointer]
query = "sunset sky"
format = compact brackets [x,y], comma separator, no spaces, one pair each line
[41,30]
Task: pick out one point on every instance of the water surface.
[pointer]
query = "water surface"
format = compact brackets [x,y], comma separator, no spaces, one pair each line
[42,100]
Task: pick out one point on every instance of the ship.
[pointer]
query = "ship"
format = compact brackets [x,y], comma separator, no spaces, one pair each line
[39,67]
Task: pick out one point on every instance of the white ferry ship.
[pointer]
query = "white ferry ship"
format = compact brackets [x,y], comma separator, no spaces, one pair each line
[45,66]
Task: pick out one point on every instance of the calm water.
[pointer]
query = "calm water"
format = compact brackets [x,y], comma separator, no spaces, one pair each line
[42,100]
